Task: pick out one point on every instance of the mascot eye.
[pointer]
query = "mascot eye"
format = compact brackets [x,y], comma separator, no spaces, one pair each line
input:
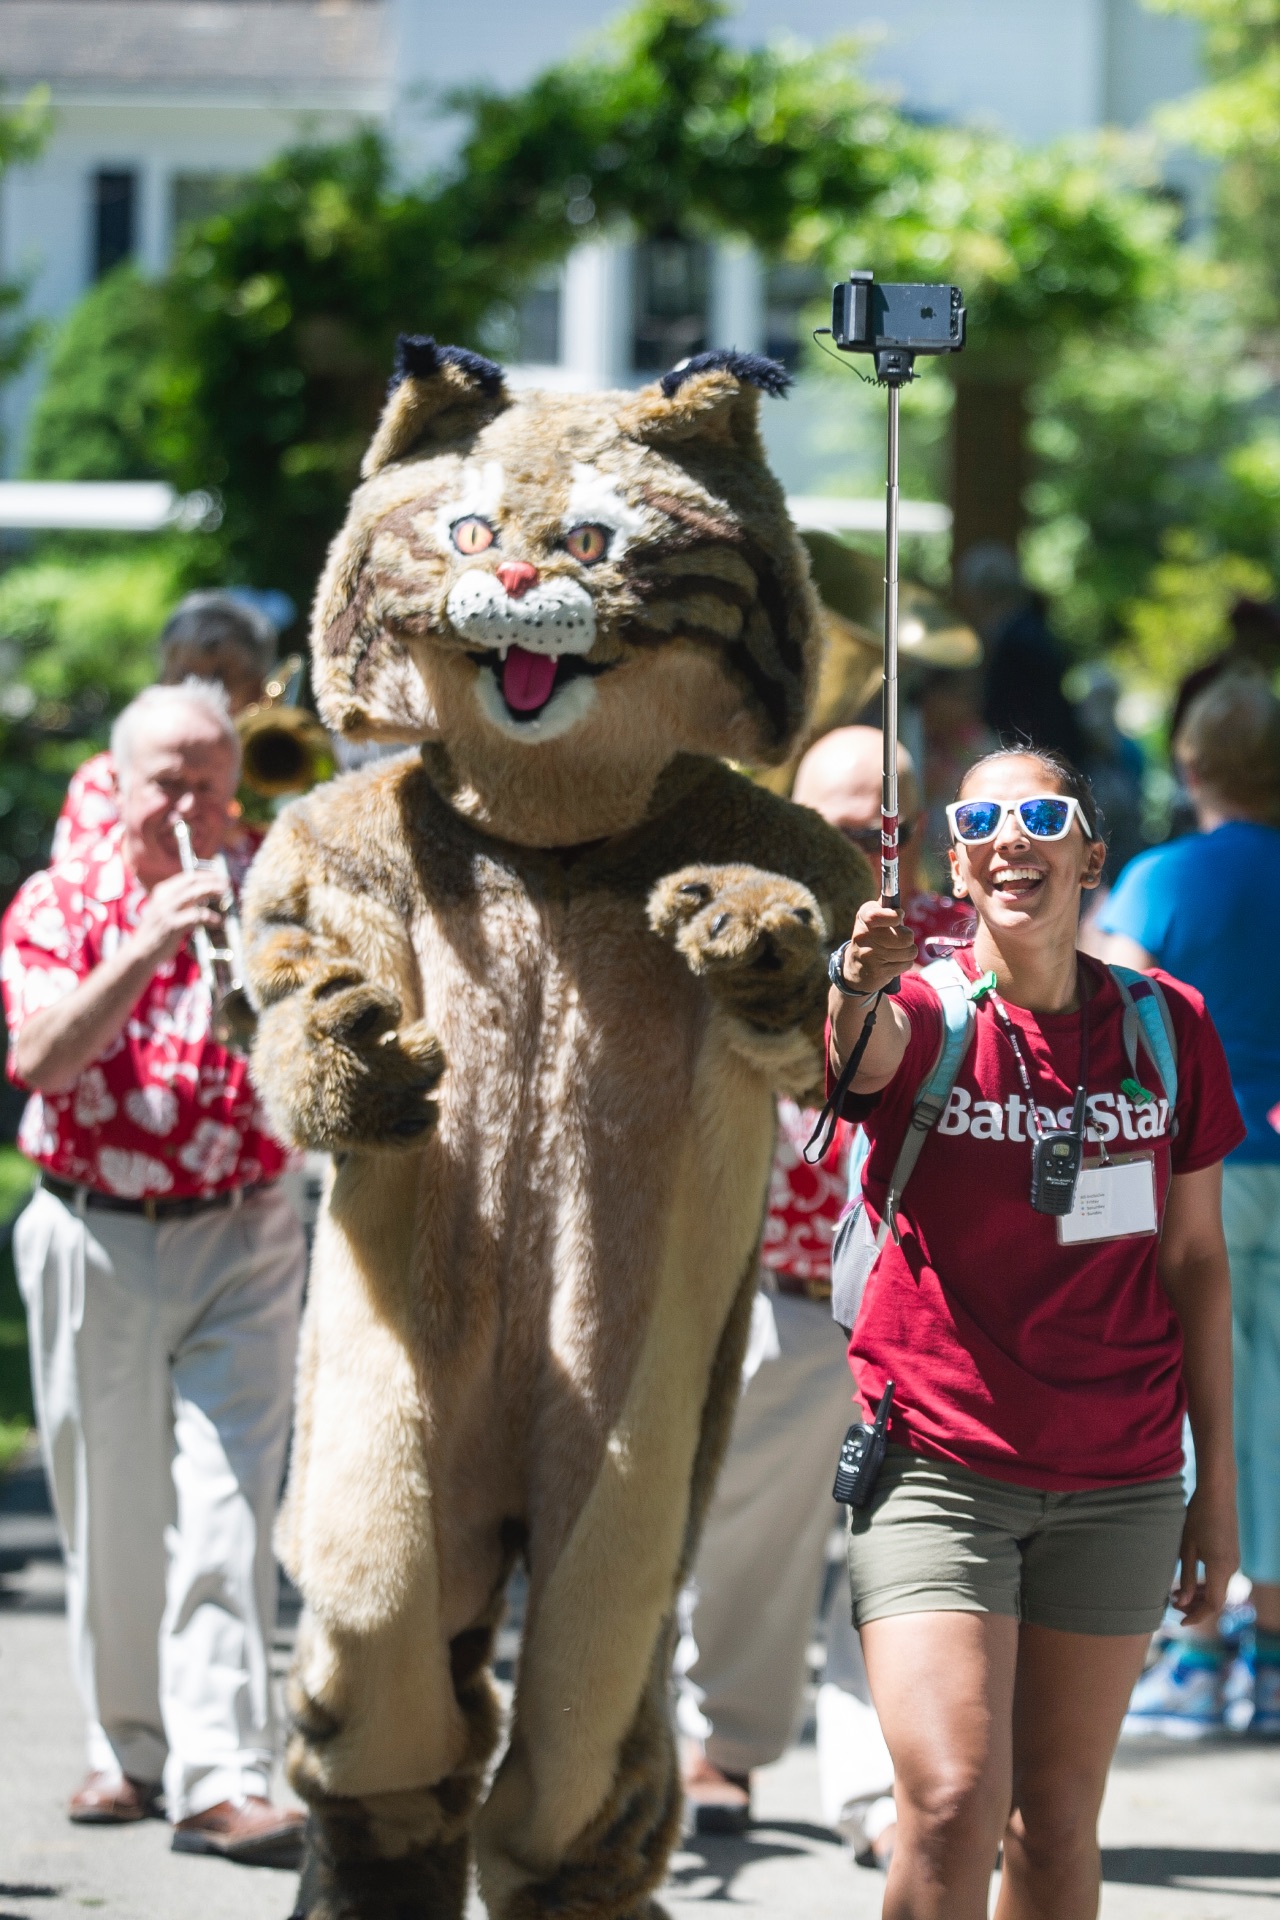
[587,543]
[472,535]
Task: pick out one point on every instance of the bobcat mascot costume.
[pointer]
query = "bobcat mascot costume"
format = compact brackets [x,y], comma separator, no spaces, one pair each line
[535,988]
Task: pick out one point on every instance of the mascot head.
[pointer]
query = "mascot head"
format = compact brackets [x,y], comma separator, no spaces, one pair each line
[567,590]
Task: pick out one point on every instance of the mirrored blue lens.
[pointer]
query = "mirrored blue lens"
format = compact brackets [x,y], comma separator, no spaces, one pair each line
[1044,818]
[977,819]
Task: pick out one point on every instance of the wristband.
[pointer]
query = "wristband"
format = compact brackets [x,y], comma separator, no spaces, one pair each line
[835,974]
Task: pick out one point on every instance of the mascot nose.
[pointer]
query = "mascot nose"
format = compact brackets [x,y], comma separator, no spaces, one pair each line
[517,576]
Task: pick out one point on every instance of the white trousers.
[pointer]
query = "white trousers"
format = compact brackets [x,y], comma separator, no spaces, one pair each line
[747,1615]
[162,1360]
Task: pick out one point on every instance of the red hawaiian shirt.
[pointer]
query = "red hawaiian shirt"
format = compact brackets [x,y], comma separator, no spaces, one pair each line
[804,1202]
[165,1110]
[91,808]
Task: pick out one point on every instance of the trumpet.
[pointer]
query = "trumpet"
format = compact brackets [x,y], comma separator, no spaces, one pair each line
[221,967]
[284,749]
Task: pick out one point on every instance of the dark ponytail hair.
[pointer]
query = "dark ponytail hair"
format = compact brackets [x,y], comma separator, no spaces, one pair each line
[1065,772]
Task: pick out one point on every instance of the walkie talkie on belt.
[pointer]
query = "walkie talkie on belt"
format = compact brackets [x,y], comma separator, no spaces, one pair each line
[862,1456]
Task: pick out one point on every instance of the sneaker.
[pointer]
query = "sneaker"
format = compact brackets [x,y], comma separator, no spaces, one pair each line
[1264,1723]
[1237,1690]
[1181,1696]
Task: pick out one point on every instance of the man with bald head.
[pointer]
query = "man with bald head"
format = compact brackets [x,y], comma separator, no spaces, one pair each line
[162,1273]
[748,1611]
[839,778]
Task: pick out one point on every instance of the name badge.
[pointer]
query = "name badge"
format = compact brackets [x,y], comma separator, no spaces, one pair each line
[1113,1200]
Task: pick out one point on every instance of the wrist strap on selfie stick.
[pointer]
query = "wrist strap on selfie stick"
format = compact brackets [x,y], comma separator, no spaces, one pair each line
[818,1145]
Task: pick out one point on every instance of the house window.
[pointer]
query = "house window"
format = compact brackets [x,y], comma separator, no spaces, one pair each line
[671,279]
[115,217]
[195,196]
[791,293]
[537,325]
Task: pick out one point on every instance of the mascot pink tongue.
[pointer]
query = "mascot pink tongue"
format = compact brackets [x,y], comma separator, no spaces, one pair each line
[527,679]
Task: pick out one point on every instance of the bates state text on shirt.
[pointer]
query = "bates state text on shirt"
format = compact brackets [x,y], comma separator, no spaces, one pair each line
[1112,1116]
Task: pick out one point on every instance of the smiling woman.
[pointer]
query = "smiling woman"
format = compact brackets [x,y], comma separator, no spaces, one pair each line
[1043,1349]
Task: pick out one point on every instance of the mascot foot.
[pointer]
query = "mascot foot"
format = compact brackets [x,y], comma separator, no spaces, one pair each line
[342,1884]
[757,938]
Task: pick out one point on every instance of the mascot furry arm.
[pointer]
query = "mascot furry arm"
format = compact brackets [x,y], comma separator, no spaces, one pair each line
[536,986]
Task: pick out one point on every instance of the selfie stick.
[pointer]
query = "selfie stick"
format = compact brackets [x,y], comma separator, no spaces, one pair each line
[893,324]
[890,885]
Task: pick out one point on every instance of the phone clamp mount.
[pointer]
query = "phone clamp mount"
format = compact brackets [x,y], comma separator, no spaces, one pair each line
[893,323]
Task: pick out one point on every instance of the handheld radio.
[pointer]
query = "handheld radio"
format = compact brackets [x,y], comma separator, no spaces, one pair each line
[862,1455]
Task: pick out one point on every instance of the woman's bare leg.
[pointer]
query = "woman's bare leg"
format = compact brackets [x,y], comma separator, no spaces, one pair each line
[1069,1700]
[943,1687]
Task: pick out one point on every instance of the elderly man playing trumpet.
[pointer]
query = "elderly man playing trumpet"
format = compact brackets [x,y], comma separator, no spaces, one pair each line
[162,1273]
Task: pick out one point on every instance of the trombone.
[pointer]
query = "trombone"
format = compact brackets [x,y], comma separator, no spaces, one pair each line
[284,749]
[221,967]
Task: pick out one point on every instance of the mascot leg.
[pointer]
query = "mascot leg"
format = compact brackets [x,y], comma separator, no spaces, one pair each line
[586,1806]
[393,1713]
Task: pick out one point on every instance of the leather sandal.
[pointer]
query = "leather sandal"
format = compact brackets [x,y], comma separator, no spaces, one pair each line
[716,1801]
[111,1800]
[250,1831]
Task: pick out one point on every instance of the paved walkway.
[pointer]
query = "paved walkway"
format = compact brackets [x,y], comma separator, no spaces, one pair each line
[1189,1834]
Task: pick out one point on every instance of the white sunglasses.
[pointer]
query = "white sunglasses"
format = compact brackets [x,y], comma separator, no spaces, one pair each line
[1043,816]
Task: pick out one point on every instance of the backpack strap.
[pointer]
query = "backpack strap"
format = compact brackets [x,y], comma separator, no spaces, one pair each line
[953,989]
[1147,1017]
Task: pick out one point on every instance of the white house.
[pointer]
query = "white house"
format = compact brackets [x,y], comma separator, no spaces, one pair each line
[160,104]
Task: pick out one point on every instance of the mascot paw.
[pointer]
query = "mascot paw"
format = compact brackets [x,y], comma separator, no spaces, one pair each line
[342,1879]
[757,938]
[352,1077]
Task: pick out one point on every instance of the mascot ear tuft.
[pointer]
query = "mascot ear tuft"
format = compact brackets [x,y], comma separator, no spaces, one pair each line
[436,395]
[419,358]
[711,397]
[752,369]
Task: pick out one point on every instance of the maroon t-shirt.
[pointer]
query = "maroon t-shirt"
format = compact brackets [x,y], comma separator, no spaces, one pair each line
[1055,1367]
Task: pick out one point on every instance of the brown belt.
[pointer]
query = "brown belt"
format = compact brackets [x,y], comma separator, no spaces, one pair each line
[76,1196]
[807,1289]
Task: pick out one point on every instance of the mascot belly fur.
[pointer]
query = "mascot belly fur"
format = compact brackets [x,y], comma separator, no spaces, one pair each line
[535,987]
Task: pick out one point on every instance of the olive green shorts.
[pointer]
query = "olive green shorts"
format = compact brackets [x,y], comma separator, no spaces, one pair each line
[938,1538]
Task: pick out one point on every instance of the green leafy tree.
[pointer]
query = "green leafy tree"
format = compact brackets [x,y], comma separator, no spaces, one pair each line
[666,126]
[1159,494]
[1048,243]
[1138,435]
[77,640]
[98,413]
[23,130]
[1233,121]
[277,320]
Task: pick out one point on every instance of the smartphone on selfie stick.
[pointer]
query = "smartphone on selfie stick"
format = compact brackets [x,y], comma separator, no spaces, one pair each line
[893,323]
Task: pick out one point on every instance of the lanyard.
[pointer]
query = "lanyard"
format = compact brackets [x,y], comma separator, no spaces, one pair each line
[1033,1112]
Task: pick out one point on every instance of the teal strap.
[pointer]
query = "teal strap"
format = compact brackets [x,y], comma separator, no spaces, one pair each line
[1146,1015]
[958,1016]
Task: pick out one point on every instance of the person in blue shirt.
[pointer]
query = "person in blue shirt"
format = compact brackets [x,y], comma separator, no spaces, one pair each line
[1206,908]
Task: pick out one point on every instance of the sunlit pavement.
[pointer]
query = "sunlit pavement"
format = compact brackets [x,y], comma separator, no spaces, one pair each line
[1189,1833]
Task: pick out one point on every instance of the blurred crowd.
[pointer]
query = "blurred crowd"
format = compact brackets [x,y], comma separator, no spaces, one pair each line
[151,1436]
